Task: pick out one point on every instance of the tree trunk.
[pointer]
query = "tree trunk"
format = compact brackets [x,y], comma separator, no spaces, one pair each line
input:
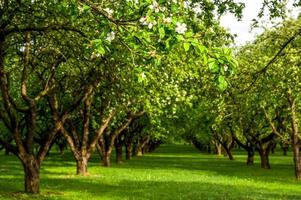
[208,148]
[229,153]
[264,158]
[297,161]
[145,149]
[285,149]
[106,162]
[295,138]
[135,147]
[139,151]
[227,150]
[82,166]
[218,149]
[128,151]
[118,147]
[141,144]
[32,175]
[62,149]
[250,159]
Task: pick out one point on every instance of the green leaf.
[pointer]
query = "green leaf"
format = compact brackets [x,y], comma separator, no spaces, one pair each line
[180,38]
[161,32]
[86,7]
[213,65]
[101,50]
[189,34]
[167,44]
[186,46]
[222,83]
[98,46]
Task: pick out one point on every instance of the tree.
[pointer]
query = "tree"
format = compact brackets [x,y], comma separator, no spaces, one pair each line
[278,89]
[24,29]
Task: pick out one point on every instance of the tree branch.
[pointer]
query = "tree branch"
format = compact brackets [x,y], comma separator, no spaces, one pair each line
[265,68]
[271,123]
[53,27]
[9,147]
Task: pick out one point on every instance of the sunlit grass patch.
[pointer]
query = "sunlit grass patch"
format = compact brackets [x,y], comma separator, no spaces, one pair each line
[172,172]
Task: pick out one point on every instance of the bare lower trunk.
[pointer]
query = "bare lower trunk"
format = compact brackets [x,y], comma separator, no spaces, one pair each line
[128,151]
[145,149]
[250,159]
[106,162]
[296,143]
[218,149]
[208,148]
[99,150]
[284,151]
[264,159]
[62,150]
[227,150]
[82,166]
[139,152]
[297,161]
[118,148]
[32,175]
[285,147]
[141,145]
[229,153]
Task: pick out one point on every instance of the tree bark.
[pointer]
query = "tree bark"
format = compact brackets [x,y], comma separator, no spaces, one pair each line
[285,149]
[106,162]
[228,146]
[229,153]
[139,150]
[107,141]
[264,159]
[146,148]
[296,143]
[128,151]
[250,159]
[118,147]
[297,161]
[62,150]
[135,148]
[106,145]
[142,142]
[82,166]
[32,175]
[218,149]
[208,148]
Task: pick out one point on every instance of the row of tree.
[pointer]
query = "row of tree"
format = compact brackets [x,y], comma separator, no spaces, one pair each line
[88,70]
[261,106]
[105,73]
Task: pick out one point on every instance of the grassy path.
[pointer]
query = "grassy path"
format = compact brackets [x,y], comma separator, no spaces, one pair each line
[172,172]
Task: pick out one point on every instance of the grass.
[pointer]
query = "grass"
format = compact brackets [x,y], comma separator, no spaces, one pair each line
[172,172]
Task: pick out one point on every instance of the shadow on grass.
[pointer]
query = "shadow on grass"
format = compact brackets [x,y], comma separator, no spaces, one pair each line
[150,190]
[166,158]
[194,162]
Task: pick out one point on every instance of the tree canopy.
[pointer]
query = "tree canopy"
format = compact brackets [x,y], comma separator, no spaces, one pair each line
[139,72]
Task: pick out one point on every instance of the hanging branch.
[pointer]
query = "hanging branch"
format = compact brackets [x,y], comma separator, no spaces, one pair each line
[265,68]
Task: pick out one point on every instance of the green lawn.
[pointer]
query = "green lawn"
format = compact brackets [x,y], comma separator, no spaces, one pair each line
[172,172]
